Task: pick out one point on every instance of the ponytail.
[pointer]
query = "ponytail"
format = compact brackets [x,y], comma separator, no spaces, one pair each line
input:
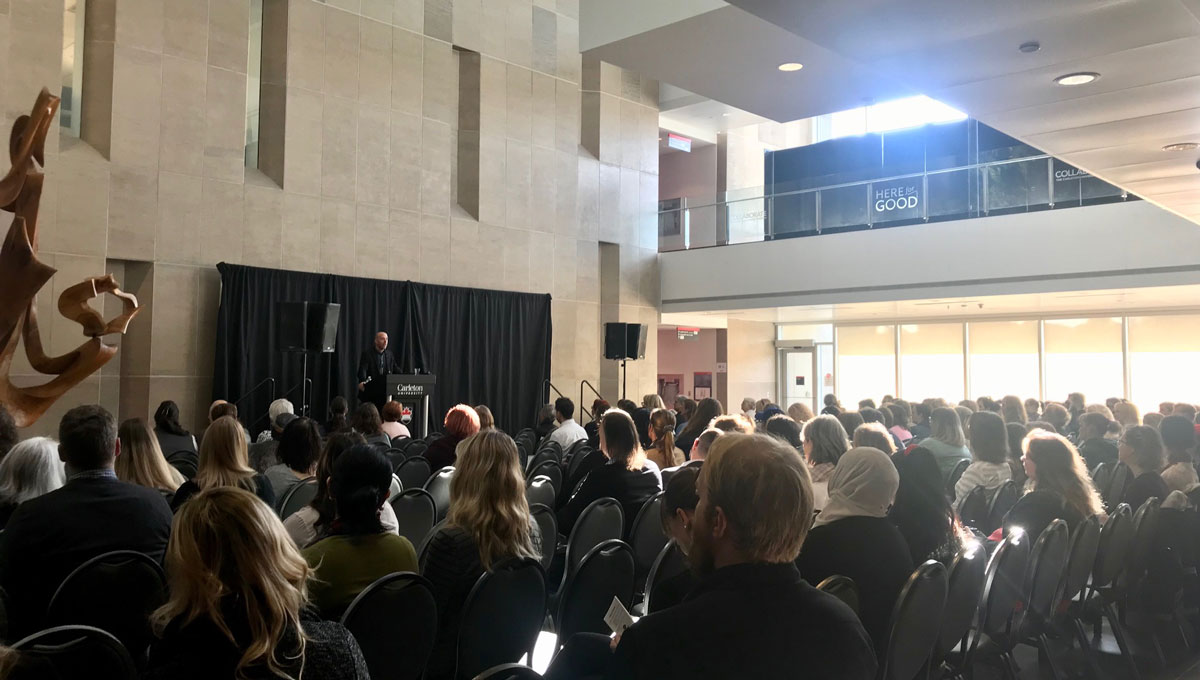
[663,423]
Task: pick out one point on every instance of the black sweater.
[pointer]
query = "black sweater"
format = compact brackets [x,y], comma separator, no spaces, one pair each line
[630,488]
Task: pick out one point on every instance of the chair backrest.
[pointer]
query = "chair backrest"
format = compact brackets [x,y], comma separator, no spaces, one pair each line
[670,563]
[80,652]
[547,523]
[300,495]
[573,449]
[501,616]
[544,455]
[916,622]
[956,474]
[115,592]
[541,490]
[1084,542]
[843,588]
[646,536]
[187,462]
[1114,491]
[1003,585]
[398,608]
[424,545]
[396,486]
[417,447]
[415,514]
[973,511]
[551,469]
[1116,538]
[964,586]
[549,444]
[401,443]
[600,521]
[1003,499]
[438,487]
[607,571]
[395,456]
[1145,527]
[578,461]
[1044,577]
[509,671]
[413,472]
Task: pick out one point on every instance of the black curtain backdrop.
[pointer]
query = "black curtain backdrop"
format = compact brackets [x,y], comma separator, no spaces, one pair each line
[485,346]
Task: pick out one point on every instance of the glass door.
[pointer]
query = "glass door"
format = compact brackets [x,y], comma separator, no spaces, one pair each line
[797,376]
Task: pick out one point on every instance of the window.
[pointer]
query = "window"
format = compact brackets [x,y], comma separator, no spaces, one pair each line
[1084,355]
[866,363]
[893,115]
[931,361]
[1004,359]
[1164,359]
[72,67]
[253,82]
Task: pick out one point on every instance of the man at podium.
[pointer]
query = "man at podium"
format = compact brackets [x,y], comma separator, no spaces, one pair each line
[374,364]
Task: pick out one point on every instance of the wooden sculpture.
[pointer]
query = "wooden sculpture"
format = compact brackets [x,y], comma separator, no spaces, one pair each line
[22,276]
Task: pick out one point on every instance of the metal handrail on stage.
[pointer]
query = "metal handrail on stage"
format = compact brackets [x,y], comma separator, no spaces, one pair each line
[547,384]
[582,384]
[251,391]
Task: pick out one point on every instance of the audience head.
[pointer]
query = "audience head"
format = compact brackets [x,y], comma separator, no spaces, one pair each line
[762,404]
[704,442]
[564,409]
[767,413]
[30,469]
[367,420]
[989,437]
[1153,419]
[886,417]
[831,400]
[393,412]
[229,554]
[338,410]
[969,404]
[619,439]
[850,420]
[486,420]
[748,404]
[461,422]
[546,414]
[1040,425]
[921,507]
[871,415]
[224,459]
[487,497]
[87,438]
[800,412]
[1058,416]
[679,506]
[220,409]
[1033,409]
[988,404]
[733,423]
[166,418]
[866,403]
[1186,410]
[887,399]
[863,485]
[785,429]
[1076,402]
[901,413]
[300,445]
[599,407]
[141,461]
[1179,438]
[627,405]
[362,478]
[705,412]
[1053,464]
[964,418]
[1166,408]
[755,503]
[1101,409]
[278,407]
[946,427]
[922,411]
[1016,437]
[1126,414]
[876,436]
[1093,425]
[825,440]
[641,423]
[1013,410]
[650,402]
[662,432]
[334,446]
[685,407]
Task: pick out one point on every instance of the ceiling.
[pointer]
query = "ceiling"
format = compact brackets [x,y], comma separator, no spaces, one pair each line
[697,117]
[1077,303]
[965,54]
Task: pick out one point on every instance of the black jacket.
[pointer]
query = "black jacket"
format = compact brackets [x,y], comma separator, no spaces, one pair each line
[1097,451]
[631,488]
[262,489]
[368,367]
[748,621]
[1143,487]
[49,536]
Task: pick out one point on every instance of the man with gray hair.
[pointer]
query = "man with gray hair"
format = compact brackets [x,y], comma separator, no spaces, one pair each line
[277,407]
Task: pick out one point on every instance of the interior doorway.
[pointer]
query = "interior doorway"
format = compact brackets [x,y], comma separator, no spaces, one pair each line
[669,387]
[805,373]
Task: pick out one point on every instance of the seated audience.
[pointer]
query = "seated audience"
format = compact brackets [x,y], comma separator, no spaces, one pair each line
[947,442]
[568,431]
[971,405]
[1016,438]
[1076,406]
[461,422]
[1141,448]
[1153,419]
[800,412]
[832,407]
[706,411]
[768,412]
[866,403]
[29,469]
[223,462]
[885,419]
[922,512]
[850,421]
[641,422]
[1059,486]
[1186,410]
[1033,409]
[8,432]
[678,514]
[277,407]
[312,522]
[1126,414]
[901,417]
[747,407]
[852,537]
[1166,408]
[1012,410]
[299,448]
[784,428]
[662,450]
[733,423]
[545,421]
[989,456]
[222,409]
[393,414]
[93,513]
[368,423]
[875,436]
[339,420]
[358,550]
[824,443]
[684,408]
[592,429]
[1092,443]
[238,594]
[703,443]
[486,420]
[1058,416]
[920,428]
[1179,439]
[141,461]
[264,455]
[761,405]
[653,401]
[488,522]
[627,476]
[172,437]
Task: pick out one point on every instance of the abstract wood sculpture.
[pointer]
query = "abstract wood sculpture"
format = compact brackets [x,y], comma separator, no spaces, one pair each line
[22,276]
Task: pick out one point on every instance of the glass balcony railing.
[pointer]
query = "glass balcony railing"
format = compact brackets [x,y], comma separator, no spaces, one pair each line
[992,188]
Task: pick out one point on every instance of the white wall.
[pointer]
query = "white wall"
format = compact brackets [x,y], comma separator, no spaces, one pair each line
[606,21]
[686,357]
[1117,245]
[689,175]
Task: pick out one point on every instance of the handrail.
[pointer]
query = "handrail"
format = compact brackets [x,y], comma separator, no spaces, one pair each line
[596,392]
[546,383]
[254,389]
[305,388]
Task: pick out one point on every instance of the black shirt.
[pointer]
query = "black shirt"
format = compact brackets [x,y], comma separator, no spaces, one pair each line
[262,489]
[631,488]
[1143,487]
[1097,451]
[748,621]
[1035,511]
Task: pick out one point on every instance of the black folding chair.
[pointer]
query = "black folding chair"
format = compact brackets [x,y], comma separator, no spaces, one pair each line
[1004,497]
[186,462]
[115,592]
[413,472]
[395,456]
[843,588]
[398,607]
[416,448]
[438,487]
[551,469]
[589,460]
[973,511]
[915,623]
[1084,543]
[509,671]
[573,449]
[964,586]
[501,617]
[401,443]
[646,536]
[541,490]
[671,562]
[1043,583]
[600,521]
[543,456]
[547,523]
[415,514]
[956,474]
[1000,603]
[607,571]
[1113,489]
[295,498]
[1116,540]
[79,652]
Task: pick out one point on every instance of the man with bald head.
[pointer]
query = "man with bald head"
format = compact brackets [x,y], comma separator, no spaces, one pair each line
[374,365]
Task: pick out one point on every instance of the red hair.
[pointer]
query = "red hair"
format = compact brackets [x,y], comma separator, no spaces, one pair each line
[462,421]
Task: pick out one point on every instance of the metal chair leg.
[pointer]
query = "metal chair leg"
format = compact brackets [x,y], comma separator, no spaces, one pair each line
[1043,644]
[1085,644]
[1119,633]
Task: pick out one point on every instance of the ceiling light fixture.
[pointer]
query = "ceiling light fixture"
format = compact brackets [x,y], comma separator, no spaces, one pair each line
[791,66]
[1030,46]
[1181,146]
[1081,78]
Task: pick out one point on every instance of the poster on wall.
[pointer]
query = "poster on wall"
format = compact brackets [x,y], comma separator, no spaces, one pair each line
[899,199]
[702,385]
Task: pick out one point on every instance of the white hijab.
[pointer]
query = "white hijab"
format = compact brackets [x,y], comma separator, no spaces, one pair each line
[863,485]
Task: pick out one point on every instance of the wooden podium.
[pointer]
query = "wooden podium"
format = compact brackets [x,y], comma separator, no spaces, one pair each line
[413,389]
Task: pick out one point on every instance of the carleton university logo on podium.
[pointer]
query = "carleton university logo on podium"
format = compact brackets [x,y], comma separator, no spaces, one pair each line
[409,390]
[406,414]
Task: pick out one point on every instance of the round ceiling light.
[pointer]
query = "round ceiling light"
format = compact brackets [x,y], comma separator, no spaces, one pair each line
[1030,46]
[791,66]
[1181,146]
[1081,78]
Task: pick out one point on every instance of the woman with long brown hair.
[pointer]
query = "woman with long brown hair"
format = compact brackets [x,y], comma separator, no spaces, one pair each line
[1012,409]
[488,522]
[238,587]
[141,461]
[224,461]
[707,410]
[1059,486]
[662,451]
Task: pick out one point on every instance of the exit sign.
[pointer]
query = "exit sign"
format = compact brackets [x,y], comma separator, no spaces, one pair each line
[685,333]
[679,142]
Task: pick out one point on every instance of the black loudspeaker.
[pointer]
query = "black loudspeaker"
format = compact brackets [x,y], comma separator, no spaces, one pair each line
[635,341]
[615,340]
[323,324]
[307,326]
[292,326]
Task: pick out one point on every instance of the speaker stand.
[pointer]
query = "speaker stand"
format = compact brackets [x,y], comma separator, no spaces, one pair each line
[624,375]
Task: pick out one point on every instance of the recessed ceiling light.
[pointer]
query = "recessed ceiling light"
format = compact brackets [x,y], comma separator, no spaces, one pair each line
[1030,46]
[1181,146]
[725,114]
[1081,78]
[791,66]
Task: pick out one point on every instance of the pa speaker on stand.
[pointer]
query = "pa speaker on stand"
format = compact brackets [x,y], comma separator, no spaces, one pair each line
[307,327]
[624,341]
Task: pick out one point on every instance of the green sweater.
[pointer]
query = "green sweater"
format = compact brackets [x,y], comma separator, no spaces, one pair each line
[345,565]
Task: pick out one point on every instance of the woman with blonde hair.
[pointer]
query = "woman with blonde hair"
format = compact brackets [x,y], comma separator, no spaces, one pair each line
[1059,486]
[30,469]
[662,450]
[238,589]
[141,461]
[1126,413]
[800,412]
[947,443]
[825,441]
[1012,409]
[653,401]
[224,461]
[488,522]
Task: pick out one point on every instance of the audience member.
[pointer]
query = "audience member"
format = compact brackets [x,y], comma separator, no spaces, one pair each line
[920,428]
[761,405]
[358,550]
[1033,409]
[141,461]
[339,420]
[662,451]
[786,429]
[93,513]
[568,431]
[1126,414]
[733,423]
[653,401]
[461,422]
[875,436]
[8,432]
[488,522]
[1186,410]
[1141,448]
[1076,406]
[989,452]
[800,412]
[850,420]
[886,420]
[641,422]
[29,469]
[986,404]
[1166,408]
[706,411]
[627,476]
[368,423]
[264,455]
[1058,416]
[947,442]
[866,403]
[238,594]
[299,448]
[545,423]
[172,437]
[852,537]
[393,417]
[592,429]
[221,409]
[224,462]
[748,408]
[769,411]
[703,443]
[1153,419]
[901,415]
[1012,409]
[678,514]
[970,404]
[964,418]
[1059,486]
[824,443]
[1093,445]
[1179,439]
[276,408]
[1016,437]
[684,409]
[832,407]
[922,512]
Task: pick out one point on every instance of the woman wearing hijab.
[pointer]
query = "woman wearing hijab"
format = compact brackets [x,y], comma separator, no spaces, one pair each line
[853,537]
